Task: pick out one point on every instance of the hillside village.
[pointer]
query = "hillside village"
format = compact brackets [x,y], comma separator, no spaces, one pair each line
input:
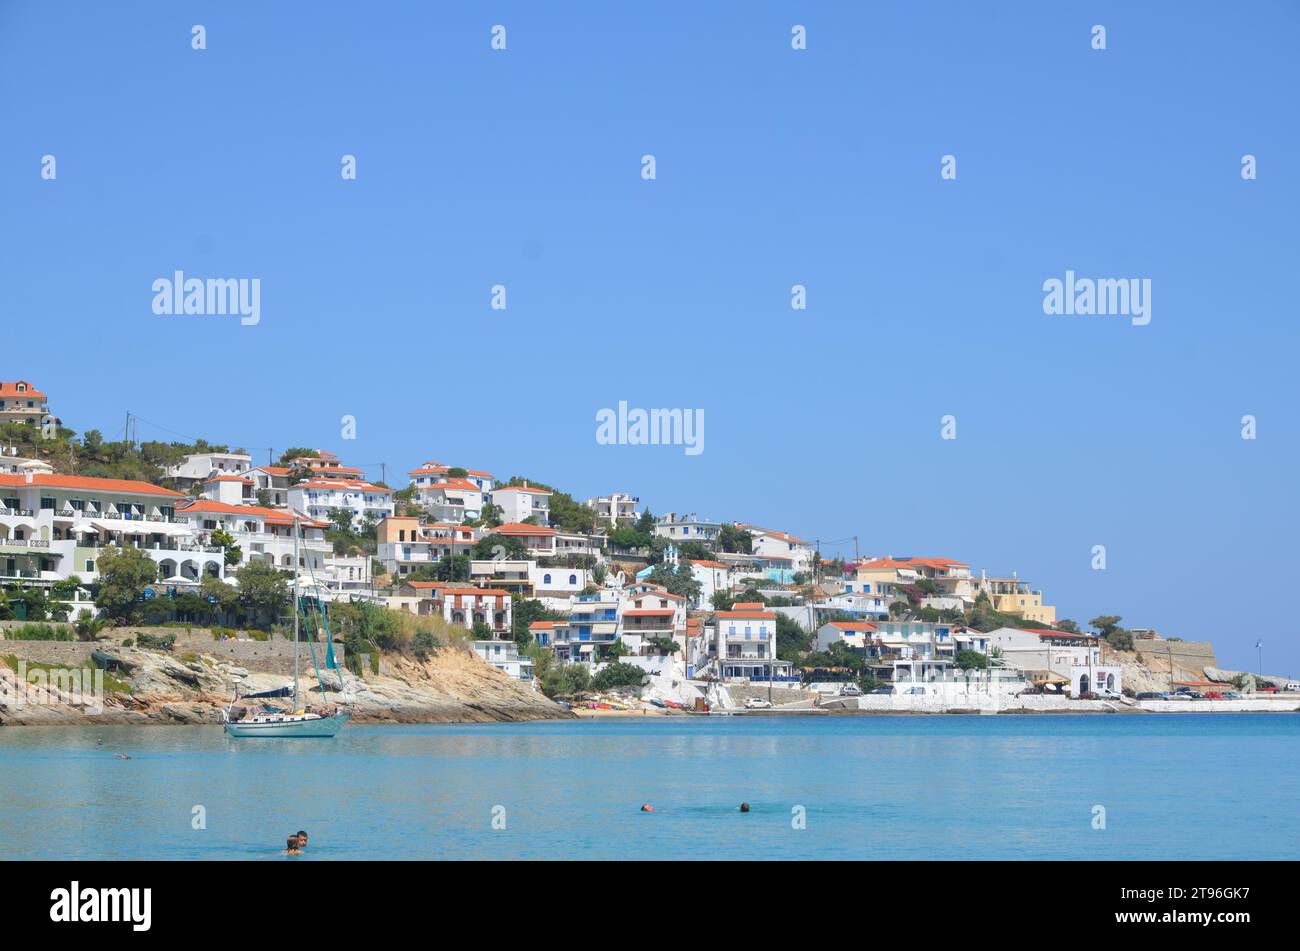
[565,595]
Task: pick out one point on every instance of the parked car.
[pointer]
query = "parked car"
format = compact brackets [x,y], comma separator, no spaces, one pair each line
[883,690]
[1151,695]
[850,690]
[1233,696]
[757,703]
[1292,687]
[1214,695]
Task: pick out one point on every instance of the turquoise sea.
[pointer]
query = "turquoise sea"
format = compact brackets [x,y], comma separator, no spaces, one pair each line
[965,787]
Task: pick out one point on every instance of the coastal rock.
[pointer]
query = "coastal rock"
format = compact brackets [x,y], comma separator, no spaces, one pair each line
[152,687]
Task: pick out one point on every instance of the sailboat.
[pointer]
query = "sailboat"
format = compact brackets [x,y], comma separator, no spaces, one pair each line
[298,722]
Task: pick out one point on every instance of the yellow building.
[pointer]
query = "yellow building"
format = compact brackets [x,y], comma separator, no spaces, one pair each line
[1013,596]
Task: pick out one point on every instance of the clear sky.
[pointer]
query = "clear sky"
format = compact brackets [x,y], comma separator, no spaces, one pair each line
[774,167]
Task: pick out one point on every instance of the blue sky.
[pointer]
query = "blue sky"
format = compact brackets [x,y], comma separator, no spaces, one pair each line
[775,167]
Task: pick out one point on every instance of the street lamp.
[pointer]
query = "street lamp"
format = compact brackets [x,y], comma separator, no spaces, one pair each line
[1259,646]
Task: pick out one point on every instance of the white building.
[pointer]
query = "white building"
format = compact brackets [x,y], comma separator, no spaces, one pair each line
[1075,655]
[262,534]
[518,503]
[504,656]
[687,528]
[55,526]
[454,500]
[271,480]
[771,544]
[712,576]
[318,496]
[615,508]
[744,644]
[462,605]
[14,464]
[431,473]
[200,466]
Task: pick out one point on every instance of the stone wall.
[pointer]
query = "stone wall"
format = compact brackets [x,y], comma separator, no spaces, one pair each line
[274,656]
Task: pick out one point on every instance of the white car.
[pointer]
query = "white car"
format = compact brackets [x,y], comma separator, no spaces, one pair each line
[757,703]
[850,690]
[1292,687]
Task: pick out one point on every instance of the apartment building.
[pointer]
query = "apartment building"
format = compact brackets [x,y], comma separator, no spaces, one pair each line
[20,402]
[771,545]
[200,466]
[453,500]
[519,503]
[431,473]
[687,527]
[405,543]
[263,534]
[538,539]
[320,495]
[55,526]
[1013,596]
[615,508]
[744,644]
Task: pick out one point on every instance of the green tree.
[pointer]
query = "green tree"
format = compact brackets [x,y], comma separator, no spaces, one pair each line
[619,675]
[226,541]
[87,626]
[263,592]
[124,573]
[970,660]
[733,538]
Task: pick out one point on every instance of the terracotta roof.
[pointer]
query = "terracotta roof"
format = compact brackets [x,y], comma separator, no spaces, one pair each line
[708,564]
[463,485]
[747,615]
[520,488]
[228,477]
[748,606]
[658,594]
[522,528]
[327,483]
[54,481]
[772,533]
[648,612]
[274,516]
[853,625]
[543,625]
[11,390]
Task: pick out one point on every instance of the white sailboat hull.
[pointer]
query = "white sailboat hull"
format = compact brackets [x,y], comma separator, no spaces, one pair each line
[288,725]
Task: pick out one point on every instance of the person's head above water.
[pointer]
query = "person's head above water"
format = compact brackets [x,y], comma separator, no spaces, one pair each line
[302,838]
[291,844]
[744,807]
[647,808]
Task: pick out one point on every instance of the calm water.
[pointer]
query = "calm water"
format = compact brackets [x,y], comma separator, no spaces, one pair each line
[1185,786]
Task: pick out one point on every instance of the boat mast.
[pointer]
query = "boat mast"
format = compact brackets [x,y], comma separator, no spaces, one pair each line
[294,590]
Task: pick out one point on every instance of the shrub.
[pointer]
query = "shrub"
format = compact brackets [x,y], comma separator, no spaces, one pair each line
[41,632]
[619,675]
[160,642]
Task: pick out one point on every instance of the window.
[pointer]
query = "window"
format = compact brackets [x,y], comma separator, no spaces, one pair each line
[546,579]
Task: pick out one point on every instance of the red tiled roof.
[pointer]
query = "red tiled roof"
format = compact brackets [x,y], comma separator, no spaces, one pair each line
[747,615]
[273,516]
[86,483]
[853,625]
[520,488]
[11,390]
[708,564]
[522,528]
[648,612]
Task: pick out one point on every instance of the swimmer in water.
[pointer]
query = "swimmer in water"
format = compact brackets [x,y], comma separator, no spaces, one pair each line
[744,807]
[302,839]
[647,808]
[291,846]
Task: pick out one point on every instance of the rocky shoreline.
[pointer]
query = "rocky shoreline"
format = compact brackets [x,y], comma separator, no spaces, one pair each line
[148,687]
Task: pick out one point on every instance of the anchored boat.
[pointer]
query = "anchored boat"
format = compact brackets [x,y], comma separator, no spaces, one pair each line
[298,721]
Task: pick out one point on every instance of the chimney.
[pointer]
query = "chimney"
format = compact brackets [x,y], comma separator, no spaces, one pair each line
[30,476]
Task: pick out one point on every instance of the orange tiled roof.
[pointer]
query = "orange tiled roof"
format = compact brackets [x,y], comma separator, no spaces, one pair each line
[521,528]
[748,615]
[273,516]
[11,390]
[54,481]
